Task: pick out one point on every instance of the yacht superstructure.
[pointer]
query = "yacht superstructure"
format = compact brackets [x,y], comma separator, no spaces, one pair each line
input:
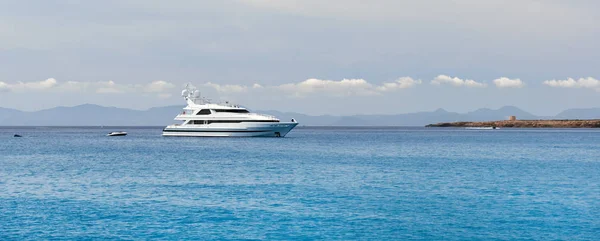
[202,118]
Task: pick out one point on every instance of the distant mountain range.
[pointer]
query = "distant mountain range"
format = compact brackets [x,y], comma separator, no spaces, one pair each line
[95,115]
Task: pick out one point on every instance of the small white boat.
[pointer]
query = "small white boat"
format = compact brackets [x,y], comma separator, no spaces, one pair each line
[117,133]
[482,128]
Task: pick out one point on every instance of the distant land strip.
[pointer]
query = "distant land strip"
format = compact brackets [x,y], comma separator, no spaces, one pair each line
[523,124]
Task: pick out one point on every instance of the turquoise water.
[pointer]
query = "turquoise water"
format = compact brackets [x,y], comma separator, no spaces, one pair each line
[316,183]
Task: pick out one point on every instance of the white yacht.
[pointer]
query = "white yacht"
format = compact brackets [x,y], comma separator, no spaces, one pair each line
[202,118]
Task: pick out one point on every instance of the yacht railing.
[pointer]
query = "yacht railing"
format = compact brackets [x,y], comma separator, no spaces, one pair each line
[205,101]
[269,117]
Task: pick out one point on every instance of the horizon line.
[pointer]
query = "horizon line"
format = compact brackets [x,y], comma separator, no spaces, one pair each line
[430,111]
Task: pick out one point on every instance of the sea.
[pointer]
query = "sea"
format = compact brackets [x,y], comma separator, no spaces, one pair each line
[325,183]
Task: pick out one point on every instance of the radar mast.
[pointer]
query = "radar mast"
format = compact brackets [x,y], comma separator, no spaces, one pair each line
[191,94]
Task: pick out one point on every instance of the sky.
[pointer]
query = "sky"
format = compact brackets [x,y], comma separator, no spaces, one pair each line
[338,57]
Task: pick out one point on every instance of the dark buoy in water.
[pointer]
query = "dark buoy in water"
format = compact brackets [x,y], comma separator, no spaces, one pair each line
[17,135]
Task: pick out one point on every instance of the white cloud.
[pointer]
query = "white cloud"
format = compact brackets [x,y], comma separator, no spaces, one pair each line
[4,87]
[344,87]
[504,82]
[73,86]
[159,87]
[110,87]
[29,86]
[444,79]
[32,86]
[227,88]
[588,82]
[400,83]
[102,87]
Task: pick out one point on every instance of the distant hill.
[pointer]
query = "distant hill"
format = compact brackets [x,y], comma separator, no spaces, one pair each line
[90,115]
[590,113]
[95,115]
[6,113]
[503,113]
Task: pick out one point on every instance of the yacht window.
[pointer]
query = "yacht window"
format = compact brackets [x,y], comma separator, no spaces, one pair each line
[200,122]
[232,110]
[239,121]
[204,122]
[204,112]
[224,121]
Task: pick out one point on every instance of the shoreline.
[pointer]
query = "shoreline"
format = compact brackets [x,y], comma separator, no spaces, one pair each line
[592,123]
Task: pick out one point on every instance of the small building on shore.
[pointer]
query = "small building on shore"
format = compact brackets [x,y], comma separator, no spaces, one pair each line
[512,118]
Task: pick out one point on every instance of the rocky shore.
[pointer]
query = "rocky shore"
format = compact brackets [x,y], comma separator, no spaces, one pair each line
[524,124]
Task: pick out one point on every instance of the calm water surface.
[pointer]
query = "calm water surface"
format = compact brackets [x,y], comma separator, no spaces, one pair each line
[317,183]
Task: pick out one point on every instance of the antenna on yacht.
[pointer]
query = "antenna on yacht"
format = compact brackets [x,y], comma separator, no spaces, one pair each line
[191,94]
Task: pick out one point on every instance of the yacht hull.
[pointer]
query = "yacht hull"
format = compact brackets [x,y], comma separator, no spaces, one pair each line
[279,129]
